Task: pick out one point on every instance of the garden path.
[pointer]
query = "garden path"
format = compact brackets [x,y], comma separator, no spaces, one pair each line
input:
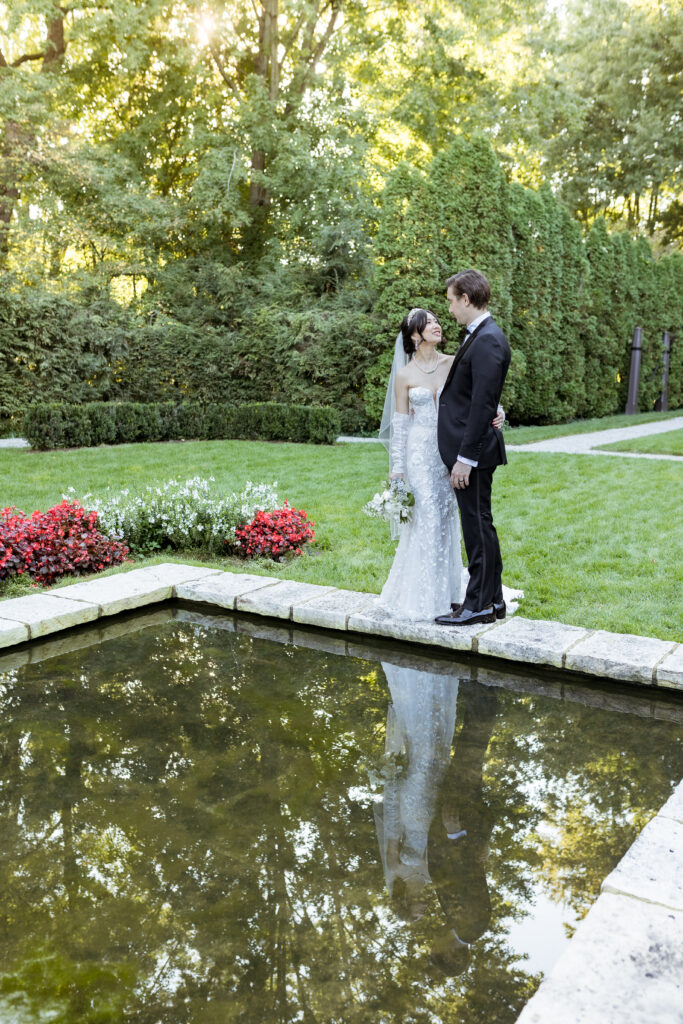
[13,442]
[585,444]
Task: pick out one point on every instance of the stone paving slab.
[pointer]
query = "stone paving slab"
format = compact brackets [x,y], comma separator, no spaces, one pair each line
[673,808]
[531,641]
[650,870]
[613,656]
[454,638]
[128,590]
[223,588]
[278,601]
[670,671]
[12,633]
[624,965]
[174,573]
[618,656]
[332,609]
[119,593]
[45,613]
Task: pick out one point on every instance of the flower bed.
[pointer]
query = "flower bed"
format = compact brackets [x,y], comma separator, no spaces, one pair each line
[71,539]
[179,516]
[64,541]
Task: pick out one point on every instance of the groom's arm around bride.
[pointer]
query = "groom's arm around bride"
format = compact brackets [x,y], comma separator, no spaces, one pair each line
[469,445]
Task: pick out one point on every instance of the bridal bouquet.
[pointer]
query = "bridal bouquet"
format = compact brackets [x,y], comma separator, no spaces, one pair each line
[394,503]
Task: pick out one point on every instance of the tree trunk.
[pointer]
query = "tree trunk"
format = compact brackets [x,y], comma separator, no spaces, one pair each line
[17,141]
[268,69]
[9,189]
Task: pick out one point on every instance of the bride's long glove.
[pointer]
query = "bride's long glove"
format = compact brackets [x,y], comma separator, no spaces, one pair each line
[400,422]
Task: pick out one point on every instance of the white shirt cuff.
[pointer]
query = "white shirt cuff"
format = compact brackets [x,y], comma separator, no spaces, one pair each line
[468,462]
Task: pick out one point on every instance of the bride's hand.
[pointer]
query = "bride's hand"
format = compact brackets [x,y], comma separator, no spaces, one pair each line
[499,418]
[396,476]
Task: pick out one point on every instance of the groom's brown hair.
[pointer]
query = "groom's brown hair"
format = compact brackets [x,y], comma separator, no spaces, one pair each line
[473,284]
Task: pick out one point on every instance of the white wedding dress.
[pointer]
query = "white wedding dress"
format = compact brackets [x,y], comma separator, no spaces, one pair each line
[427,573]
[420,727]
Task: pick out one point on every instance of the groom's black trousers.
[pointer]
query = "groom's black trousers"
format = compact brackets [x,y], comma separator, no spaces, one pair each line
[481,541]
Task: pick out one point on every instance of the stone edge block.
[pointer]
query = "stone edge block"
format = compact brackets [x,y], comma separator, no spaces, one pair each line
[321,611]
[669,672]
[450,637]
[71,613]
[520,639]
[12,633]
[623,966]
[118,593]
[587,656]
[192,583]
[279,599]
[175,573]
[209,591]
[650,868]
[673,808]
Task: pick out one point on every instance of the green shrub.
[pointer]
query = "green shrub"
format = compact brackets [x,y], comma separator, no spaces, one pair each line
[44,424]
[102,422]
[60,425]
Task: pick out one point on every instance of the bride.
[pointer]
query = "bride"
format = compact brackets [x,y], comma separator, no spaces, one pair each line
[427,574]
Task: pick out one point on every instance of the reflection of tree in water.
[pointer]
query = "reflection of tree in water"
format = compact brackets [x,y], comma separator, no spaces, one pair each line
[179,844]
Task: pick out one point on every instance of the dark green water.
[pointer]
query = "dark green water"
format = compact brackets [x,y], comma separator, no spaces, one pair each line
[204,825]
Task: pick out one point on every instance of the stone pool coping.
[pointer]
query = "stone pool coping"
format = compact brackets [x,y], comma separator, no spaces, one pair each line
[614,656]
[625,961]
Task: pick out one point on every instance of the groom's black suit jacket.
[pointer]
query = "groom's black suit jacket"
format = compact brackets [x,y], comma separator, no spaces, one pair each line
[470,398]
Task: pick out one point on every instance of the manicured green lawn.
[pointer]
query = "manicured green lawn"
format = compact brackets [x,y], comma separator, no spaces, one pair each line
[593,542]
[669,443]
[525,435]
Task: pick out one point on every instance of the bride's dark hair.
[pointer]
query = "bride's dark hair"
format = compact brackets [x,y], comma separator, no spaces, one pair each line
[410,324]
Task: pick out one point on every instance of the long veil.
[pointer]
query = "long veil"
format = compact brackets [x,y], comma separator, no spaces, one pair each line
[401,359]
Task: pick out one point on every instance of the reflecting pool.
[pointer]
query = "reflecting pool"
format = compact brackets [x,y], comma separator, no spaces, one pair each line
[207,819]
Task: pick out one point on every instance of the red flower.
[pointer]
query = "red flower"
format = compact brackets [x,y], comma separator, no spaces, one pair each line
[274,533]
[48,545]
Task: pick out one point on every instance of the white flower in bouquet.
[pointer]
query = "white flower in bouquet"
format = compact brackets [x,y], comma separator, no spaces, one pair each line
[394,503]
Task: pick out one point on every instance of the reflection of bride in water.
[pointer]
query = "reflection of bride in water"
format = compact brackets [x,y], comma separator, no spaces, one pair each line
[433,825]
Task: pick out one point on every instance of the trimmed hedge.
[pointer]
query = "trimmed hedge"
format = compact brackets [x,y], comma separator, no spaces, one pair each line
[63,425]
[569,304]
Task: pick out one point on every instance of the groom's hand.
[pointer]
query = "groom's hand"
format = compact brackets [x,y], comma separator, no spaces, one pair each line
[460,475]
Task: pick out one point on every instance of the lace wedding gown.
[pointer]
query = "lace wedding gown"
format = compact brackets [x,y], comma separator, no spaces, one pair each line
[427,574]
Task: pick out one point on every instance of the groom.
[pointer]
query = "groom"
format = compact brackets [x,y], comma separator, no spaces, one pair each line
[470,446]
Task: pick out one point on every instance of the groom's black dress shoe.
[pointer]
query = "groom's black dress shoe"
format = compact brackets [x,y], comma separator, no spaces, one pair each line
[499,608]
[467,617]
